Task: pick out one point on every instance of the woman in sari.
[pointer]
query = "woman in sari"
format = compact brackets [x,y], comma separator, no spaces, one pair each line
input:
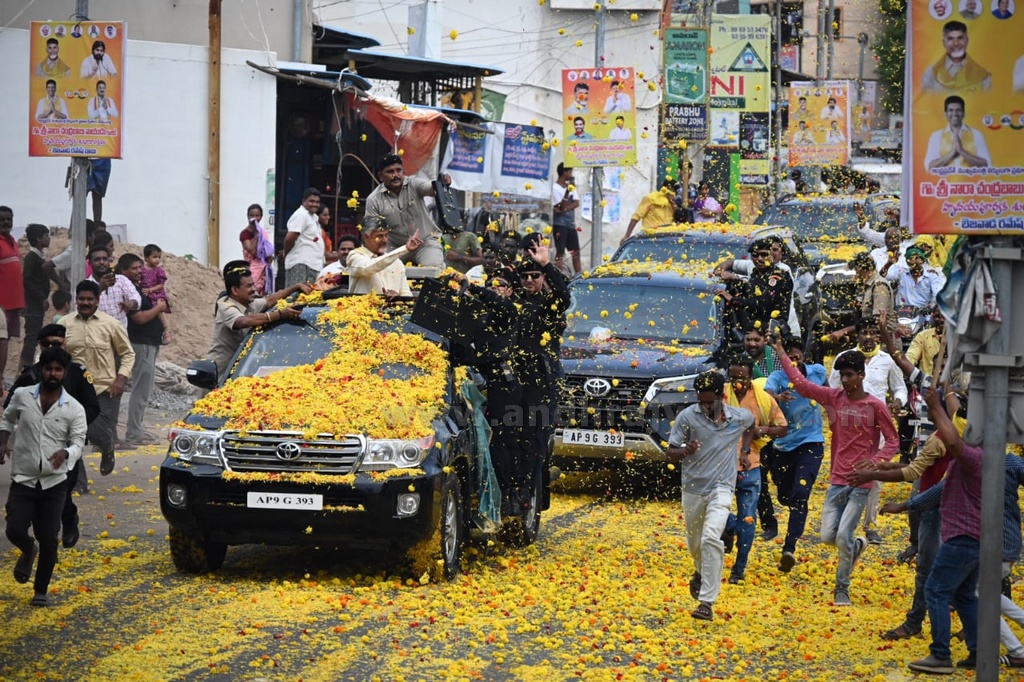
[258,251]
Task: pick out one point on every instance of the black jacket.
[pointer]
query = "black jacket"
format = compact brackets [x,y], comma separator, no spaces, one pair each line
[76,382]
[541,323]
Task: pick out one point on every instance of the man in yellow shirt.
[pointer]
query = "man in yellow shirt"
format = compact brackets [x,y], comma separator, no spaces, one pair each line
[769,422]
[99,342]
[656,208]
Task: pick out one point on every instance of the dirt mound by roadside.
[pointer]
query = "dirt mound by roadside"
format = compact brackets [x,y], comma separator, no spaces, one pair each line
[192,288]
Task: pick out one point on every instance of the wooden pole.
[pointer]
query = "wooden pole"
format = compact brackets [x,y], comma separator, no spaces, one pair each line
[213,238]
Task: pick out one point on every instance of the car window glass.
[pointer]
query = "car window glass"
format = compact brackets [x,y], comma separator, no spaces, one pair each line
[814,221]
[285,345]
[654,312]
[672,248]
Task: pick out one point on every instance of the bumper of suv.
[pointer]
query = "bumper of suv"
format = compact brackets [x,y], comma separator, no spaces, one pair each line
[364,512]
[638,447]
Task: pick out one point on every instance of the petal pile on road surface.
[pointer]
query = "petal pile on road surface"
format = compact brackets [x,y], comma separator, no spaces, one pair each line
[602,596]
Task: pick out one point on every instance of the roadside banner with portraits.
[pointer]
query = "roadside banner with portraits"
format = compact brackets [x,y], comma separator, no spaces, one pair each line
[819,123]
[599,116]
[76,88]
[509,158]
[684,110]
[964,134]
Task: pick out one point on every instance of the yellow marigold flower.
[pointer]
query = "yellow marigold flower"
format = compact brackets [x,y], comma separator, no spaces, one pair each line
[579,43]
[453,34]
[363,137]
[634,17]
[528,186]
[410,30]
[352,203]
[652,86]
[561,31]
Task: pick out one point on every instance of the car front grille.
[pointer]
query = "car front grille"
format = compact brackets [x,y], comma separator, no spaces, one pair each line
[285,451]
[618,409]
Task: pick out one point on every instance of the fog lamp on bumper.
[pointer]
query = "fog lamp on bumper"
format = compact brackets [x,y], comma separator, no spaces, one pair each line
[177,496]
[408,504]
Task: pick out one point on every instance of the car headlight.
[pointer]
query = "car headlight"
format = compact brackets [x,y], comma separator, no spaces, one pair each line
[200,447]
[395,454]
[670,390]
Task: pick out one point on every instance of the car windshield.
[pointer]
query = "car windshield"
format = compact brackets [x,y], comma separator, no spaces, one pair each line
[810,220]
[634,311]
[661,249]
[285,345]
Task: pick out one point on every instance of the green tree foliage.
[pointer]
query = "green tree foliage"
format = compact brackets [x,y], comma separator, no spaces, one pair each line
[890,50]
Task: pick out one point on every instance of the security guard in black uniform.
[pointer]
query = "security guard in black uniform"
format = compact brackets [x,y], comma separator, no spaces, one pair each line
[542,302]
[78,384]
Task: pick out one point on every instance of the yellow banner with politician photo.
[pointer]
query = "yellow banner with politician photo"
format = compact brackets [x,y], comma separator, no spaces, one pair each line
[76,88]
[819,123]
[965,123]
[599,116]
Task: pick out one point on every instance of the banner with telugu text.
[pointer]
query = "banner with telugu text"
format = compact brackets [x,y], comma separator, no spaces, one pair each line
[819,123]
[684,111]
[599,117]
[965,90]
[76,88]
[511,159]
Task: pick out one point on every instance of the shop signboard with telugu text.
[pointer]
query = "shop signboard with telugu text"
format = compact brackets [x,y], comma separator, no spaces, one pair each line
[819,123]
[76,88]
[599,117]
[684,111]
[739,83]
[965,128]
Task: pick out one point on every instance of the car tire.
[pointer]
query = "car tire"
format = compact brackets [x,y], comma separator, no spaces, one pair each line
[439,557]
[192,554]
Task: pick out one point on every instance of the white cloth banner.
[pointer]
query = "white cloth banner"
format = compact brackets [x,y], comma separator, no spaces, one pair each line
[511,159]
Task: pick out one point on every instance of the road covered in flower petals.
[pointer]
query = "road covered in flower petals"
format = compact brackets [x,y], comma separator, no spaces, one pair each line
[602,596]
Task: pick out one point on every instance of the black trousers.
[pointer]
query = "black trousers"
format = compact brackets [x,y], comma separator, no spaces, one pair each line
[32,506]
[505,418]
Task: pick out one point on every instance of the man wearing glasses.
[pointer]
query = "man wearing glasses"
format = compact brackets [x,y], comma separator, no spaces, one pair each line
[78,384]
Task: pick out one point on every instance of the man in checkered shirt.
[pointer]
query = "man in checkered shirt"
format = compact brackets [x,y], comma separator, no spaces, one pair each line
[118,296]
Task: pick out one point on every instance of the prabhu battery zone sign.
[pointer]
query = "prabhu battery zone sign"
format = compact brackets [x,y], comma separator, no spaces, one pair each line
[684,114]
[76,88]
[965,124]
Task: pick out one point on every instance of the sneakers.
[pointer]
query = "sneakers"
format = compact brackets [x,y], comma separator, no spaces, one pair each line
[841,598]
[769,534]
[695,584]
[932,665]
[859,545]
[872,536]
[703,611]
[787,562]
[23,567]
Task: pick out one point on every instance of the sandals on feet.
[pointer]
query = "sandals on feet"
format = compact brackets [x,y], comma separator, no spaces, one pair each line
[23,567]
[900,633]
[1011,661]
[703,612]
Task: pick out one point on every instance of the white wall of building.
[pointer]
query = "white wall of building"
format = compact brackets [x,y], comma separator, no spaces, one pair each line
[523,39]
[160,189]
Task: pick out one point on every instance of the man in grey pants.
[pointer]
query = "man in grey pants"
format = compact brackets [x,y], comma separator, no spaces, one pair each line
[145,332]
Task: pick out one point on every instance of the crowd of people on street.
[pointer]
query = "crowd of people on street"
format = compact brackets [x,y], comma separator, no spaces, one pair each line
[754,438]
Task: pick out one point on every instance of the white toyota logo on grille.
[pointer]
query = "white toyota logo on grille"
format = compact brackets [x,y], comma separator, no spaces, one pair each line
[597,388]
[289,451]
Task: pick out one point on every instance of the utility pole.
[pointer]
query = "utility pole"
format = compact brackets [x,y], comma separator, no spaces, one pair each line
[597,175]
[777,122]
[830,34]
[79,180]
[819,67]
[213,226]
[996,361]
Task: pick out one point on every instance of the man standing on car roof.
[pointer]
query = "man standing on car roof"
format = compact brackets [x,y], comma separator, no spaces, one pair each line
[542,304]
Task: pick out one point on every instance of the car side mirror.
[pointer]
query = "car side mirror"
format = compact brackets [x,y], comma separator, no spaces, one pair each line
[202,373]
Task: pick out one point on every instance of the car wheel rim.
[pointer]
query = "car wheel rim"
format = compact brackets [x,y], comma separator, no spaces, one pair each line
[450,527]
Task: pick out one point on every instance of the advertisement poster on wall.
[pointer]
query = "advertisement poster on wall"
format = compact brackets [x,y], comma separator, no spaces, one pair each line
[76,88]
[684,111]
[965,128]
[819,123]
[511,158]
[740,52]
[599,117]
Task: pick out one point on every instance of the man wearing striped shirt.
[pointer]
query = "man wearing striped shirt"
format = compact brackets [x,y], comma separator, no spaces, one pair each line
[118,296]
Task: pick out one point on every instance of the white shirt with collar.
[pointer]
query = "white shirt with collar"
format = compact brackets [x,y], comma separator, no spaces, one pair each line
[368,272]
[40,434]
[881,376]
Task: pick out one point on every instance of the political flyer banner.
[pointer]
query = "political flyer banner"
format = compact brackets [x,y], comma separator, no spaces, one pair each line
[965,128]
[864,105]
[819,123]
[599,117]
[684,112]
[740,82]
[76,88]
[508,158]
